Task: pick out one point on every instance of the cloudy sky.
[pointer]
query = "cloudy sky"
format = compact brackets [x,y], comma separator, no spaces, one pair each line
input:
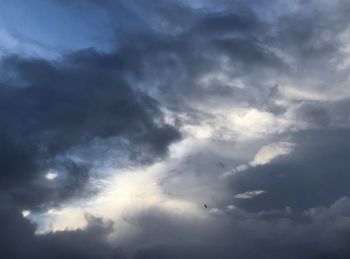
[120,119]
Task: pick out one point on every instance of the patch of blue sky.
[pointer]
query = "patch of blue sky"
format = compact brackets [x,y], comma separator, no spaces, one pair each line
[49,28]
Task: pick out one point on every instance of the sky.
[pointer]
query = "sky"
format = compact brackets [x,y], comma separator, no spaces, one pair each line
[121,119]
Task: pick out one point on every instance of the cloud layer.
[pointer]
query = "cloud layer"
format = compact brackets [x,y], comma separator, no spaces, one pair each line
[112,143]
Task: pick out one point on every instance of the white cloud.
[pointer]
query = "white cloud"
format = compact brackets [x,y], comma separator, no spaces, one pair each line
[199,131]
[295,93]
[253,123]
[239,168]
[26,213]
[229,123]
[249,194]
[264,156]
[51,175]
[269,152]
[126,195]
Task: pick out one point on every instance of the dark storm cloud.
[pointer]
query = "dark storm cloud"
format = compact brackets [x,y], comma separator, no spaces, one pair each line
[325,114]
[57,106]
[19,241]
[175,66]
[176,57]
[314,174]
[317,233]
[49,108]
[303,214]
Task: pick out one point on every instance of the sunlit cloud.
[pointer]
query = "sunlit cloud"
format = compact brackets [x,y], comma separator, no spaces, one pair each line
[264,156]
[249,194]
[26,213]
[269,152]
[51,175]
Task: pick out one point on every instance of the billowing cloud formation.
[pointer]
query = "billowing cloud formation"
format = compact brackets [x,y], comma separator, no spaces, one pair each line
[111,143]
[52,108]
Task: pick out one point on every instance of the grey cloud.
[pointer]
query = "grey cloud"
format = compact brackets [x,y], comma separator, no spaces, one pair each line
[52,110]
[319,232]
[331,114]
[67,104]
[19,241]
[314,174]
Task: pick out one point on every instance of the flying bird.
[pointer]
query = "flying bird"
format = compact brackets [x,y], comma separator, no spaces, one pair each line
[205,205]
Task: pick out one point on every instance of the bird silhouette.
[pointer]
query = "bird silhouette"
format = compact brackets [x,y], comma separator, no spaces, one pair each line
[205,205]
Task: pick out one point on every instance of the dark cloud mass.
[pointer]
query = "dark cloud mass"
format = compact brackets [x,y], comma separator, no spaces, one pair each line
[70,103]
[245,107]
[319,162]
